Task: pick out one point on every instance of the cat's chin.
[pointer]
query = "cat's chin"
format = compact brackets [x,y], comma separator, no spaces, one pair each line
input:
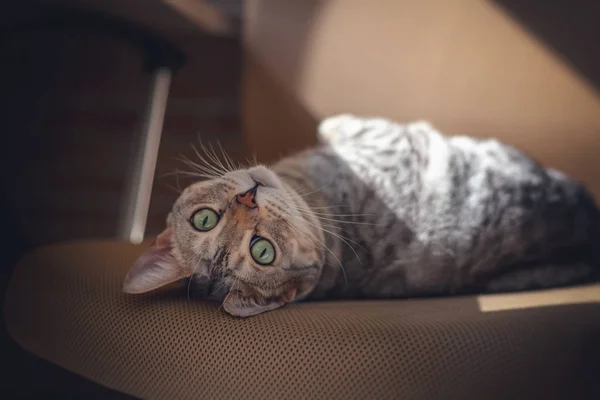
[210,289]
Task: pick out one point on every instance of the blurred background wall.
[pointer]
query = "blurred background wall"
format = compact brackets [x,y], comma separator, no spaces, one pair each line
[524,72]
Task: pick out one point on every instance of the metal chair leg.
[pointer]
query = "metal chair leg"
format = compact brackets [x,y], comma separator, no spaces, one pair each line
[134,214]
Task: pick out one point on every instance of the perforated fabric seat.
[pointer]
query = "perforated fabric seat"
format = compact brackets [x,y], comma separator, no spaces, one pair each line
[64,304]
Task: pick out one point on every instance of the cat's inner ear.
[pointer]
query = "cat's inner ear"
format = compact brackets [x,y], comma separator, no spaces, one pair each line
[156,267]
[242,306]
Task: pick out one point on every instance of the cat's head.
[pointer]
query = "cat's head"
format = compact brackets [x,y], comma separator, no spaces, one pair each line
[247,232]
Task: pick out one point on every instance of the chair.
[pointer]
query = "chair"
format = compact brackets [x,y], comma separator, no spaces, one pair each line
[64,304]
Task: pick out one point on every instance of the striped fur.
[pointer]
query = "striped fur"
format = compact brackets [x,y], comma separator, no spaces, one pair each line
[384,210]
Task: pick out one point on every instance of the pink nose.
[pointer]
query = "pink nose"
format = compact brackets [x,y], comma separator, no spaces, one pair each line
[249,198]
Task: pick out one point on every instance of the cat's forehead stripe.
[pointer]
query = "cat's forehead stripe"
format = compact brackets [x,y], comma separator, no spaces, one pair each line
[206,194]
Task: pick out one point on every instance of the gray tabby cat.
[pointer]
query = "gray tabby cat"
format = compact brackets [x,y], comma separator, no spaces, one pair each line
[380,210]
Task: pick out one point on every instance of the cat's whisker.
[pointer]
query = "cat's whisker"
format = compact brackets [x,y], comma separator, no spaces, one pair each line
[228,159]
[210,158]
[335,220]
[215,157]
[212,164]
[169,186]
[324,246]
[311,210]
[332,226]
[316,190]
[342,238]
[205,163]
[323,224]
[249,163]
[175,173]
[233,287]
[177,183]
[341,215]
[328,207]
[293,196]
[222,303]
[167,174]
[201,158]
[220,287]
[331,221]
[289,197]
[205,168]
[196,174]
[300,231]
[193,174]
[189,284]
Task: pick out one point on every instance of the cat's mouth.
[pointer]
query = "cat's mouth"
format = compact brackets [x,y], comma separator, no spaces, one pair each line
[212,283]
[249,198]
[216,289]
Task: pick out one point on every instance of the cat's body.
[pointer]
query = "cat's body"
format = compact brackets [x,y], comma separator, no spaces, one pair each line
[379,210]
[429,214]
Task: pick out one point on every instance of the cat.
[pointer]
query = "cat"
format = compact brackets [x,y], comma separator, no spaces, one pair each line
[378,210]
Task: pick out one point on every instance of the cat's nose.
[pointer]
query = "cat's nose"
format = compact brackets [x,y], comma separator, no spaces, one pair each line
[249,198]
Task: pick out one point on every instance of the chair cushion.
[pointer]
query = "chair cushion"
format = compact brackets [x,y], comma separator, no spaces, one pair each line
[65,304]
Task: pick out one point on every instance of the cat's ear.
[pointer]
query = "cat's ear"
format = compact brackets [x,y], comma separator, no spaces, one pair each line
[156,267]
[242,306]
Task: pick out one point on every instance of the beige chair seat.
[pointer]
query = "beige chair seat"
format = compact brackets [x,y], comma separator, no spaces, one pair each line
[64,304]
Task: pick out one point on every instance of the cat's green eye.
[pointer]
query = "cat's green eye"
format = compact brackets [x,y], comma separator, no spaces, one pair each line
[262,251]
[204,219]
